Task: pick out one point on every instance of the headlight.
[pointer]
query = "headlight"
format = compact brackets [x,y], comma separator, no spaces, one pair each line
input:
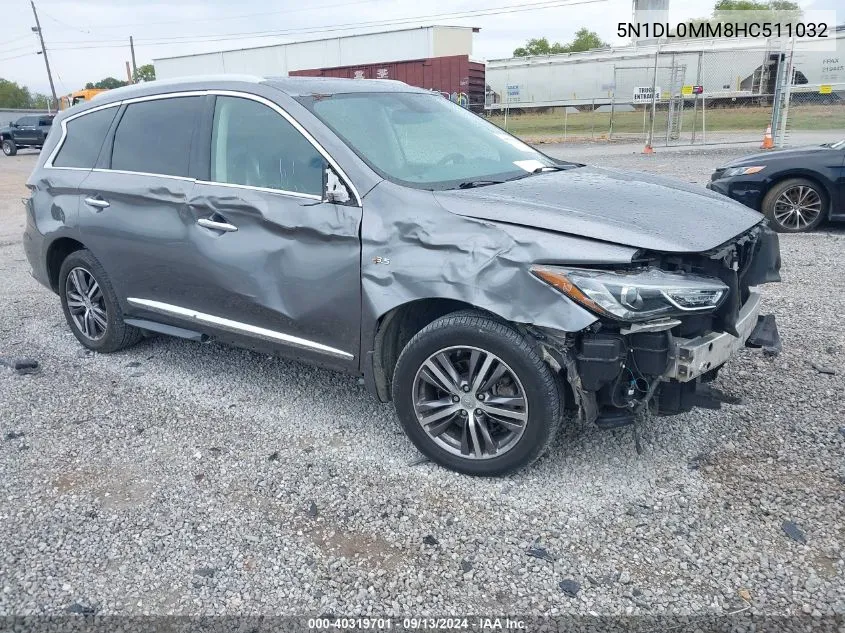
[635,295]
[742,171]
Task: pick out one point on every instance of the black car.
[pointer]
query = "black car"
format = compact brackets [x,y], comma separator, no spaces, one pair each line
[28,131]
[797,189]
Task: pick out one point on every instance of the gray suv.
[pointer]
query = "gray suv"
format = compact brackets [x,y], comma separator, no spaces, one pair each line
[382,231]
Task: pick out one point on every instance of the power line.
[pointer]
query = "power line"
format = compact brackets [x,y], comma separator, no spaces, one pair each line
[14,50]
[3,59]
[65,24]
[17,39]
[227,18]
[545,4]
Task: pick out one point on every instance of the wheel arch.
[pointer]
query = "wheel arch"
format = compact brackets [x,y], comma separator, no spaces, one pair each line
[806,175]
[57,252]
[398,326]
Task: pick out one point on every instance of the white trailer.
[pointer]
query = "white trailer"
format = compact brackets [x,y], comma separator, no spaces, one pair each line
[726,70]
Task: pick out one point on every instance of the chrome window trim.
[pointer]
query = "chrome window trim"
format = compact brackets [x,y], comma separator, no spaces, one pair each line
[236,326]
[224,93]
[295,194]
[100,170]
[49,163]
[300,129]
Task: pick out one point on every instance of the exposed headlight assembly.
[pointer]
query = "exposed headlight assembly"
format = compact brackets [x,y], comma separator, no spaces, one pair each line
[635,295]
[742,171]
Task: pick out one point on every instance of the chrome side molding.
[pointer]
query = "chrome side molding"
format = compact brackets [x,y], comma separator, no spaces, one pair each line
[236,326]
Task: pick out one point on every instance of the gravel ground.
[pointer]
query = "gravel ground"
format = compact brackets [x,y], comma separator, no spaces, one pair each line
[198,479]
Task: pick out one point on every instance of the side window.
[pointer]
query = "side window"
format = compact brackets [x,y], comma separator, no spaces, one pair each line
[45,122]
[85,136]
[252,144]
[154,137]
[26,121]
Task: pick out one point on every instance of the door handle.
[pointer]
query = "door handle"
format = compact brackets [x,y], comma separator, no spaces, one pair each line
[96,203]
[217,226]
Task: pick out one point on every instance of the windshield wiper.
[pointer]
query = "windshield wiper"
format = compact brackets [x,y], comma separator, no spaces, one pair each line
[539,170]
[471,184]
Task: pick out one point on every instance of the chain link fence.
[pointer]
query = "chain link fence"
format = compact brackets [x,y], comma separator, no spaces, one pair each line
[686,98]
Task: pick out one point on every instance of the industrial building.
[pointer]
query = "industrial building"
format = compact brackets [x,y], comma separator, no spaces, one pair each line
[434,57]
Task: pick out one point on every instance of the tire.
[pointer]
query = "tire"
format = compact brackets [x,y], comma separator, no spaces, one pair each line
[9,147]
[789,203]
[459,337]
[102,307]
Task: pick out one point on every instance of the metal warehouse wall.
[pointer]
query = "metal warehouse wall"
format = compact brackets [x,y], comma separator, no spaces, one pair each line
[13,115]
[279,60]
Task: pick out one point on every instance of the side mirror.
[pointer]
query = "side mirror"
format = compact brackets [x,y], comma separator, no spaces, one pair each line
[334,189]
[12,124]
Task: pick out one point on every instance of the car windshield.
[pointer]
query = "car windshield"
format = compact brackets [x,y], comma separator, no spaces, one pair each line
[838,144]
[425,141]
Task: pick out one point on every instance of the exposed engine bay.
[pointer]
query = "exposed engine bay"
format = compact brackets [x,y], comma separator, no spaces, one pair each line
[616,369]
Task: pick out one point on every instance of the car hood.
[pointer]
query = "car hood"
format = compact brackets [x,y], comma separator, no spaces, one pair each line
[762,158]
[634,209]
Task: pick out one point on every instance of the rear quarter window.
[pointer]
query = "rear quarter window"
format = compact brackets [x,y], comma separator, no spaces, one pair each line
[85,136]
[154,137]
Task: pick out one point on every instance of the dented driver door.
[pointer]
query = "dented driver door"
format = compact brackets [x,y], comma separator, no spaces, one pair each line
[277,266]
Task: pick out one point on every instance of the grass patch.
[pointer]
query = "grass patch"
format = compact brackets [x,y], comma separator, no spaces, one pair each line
[591,124]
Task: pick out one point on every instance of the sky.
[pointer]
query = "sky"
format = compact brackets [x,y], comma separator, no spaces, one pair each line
[88,40]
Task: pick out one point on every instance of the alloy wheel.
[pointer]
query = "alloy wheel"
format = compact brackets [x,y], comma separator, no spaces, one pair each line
[797,207]
[86,303]
[470,402]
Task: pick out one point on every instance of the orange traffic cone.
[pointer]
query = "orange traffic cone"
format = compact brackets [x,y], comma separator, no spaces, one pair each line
[768,141]
[648,149]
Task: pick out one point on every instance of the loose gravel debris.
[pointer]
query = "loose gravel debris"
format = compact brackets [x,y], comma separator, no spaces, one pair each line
[791,529]
[104,509]
[22,366]
[570,587]
[824,369]
[540,552]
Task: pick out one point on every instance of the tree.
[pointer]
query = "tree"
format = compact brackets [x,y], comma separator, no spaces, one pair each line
[147,72]
[13,96]
[753,5]
[40,101]
[109,83]
[756,11]
[585,40]
[538,46]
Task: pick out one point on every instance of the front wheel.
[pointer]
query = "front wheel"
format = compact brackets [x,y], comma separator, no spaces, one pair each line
[473,395]
[795,205]
[9,147]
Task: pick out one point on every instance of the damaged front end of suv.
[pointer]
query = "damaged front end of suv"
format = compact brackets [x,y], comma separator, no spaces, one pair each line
[667,323]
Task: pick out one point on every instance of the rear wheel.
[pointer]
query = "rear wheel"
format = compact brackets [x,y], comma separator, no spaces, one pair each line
[9,147]
[91,307]
[795,205]
[474,395]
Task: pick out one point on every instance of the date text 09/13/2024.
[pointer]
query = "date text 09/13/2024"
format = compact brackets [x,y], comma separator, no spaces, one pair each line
[418,624]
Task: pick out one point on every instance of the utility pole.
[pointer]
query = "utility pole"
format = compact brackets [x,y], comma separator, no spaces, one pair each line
[134,66]
[37,29]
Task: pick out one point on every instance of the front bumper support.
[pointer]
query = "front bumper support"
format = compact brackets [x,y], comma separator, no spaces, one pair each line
[690,358]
